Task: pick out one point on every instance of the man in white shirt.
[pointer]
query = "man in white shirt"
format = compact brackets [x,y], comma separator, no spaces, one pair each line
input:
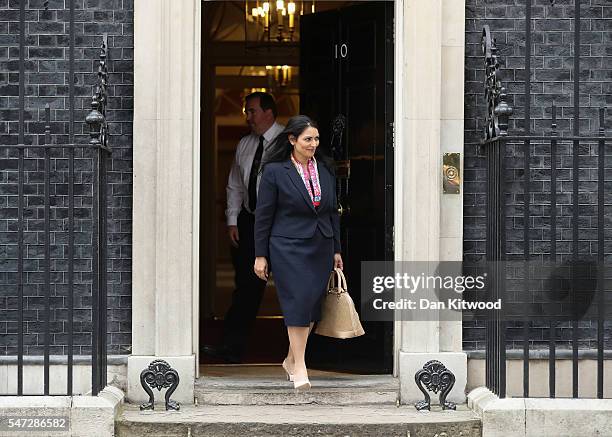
[260,111]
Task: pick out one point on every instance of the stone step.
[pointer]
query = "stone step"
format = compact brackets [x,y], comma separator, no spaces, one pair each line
[296,420]
[326,390]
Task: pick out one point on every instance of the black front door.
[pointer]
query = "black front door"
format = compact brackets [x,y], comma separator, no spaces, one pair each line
[346,75]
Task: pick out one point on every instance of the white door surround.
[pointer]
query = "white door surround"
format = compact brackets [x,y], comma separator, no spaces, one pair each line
[429,35]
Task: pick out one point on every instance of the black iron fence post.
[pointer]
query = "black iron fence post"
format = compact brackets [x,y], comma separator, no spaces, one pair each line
[47,242]
[99,139]
[21,142]
[496,131]
[70,291]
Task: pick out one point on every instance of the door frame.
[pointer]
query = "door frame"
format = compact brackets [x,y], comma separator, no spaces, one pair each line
[398,156]
[398,66]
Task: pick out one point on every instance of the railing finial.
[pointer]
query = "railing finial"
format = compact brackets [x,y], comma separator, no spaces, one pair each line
[502,112]
[498,109]
[554,119]
[96,119]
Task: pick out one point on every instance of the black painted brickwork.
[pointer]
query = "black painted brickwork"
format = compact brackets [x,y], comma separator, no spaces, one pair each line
[47,82]
[552,80]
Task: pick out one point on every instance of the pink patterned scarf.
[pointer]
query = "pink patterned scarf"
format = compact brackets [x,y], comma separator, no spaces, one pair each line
[310,176]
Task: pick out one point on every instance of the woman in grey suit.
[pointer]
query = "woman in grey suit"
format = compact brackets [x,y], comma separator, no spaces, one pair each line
[297,233]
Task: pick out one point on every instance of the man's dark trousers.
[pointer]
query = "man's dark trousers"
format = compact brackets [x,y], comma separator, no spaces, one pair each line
[249,290]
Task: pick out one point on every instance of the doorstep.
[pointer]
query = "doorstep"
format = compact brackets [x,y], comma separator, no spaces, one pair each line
[327,389]
[296,420]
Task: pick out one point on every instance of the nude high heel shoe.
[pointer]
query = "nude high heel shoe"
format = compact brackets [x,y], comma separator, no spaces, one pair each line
[301,385]
[286,369]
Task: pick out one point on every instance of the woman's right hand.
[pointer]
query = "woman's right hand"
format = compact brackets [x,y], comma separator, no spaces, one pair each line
[261,267]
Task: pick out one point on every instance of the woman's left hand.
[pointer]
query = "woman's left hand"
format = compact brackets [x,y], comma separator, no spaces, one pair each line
[338,261]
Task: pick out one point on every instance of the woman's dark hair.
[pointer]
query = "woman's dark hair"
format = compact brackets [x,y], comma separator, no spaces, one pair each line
[281,148]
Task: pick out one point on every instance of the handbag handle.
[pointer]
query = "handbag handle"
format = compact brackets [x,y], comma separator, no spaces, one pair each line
[340,280]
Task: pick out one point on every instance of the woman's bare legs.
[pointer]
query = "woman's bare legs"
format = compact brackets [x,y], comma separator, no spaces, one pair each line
[298,337]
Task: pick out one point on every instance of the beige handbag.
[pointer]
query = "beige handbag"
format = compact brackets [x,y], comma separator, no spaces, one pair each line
[339,319]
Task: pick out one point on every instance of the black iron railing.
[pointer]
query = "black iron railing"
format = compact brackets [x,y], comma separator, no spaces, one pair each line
[561,216]
[57,203]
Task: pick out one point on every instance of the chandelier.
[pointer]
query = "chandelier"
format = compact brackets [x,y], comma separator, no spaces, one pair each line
[274,20]
[279,75]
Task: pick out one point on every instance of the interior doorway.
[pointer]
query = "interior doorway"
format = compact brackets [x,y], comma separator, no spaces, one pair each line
[335,66]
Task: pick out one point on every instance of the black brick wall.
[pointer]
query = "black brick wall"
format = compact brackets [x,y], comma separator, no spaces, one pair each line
[551,79]
[47,81]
